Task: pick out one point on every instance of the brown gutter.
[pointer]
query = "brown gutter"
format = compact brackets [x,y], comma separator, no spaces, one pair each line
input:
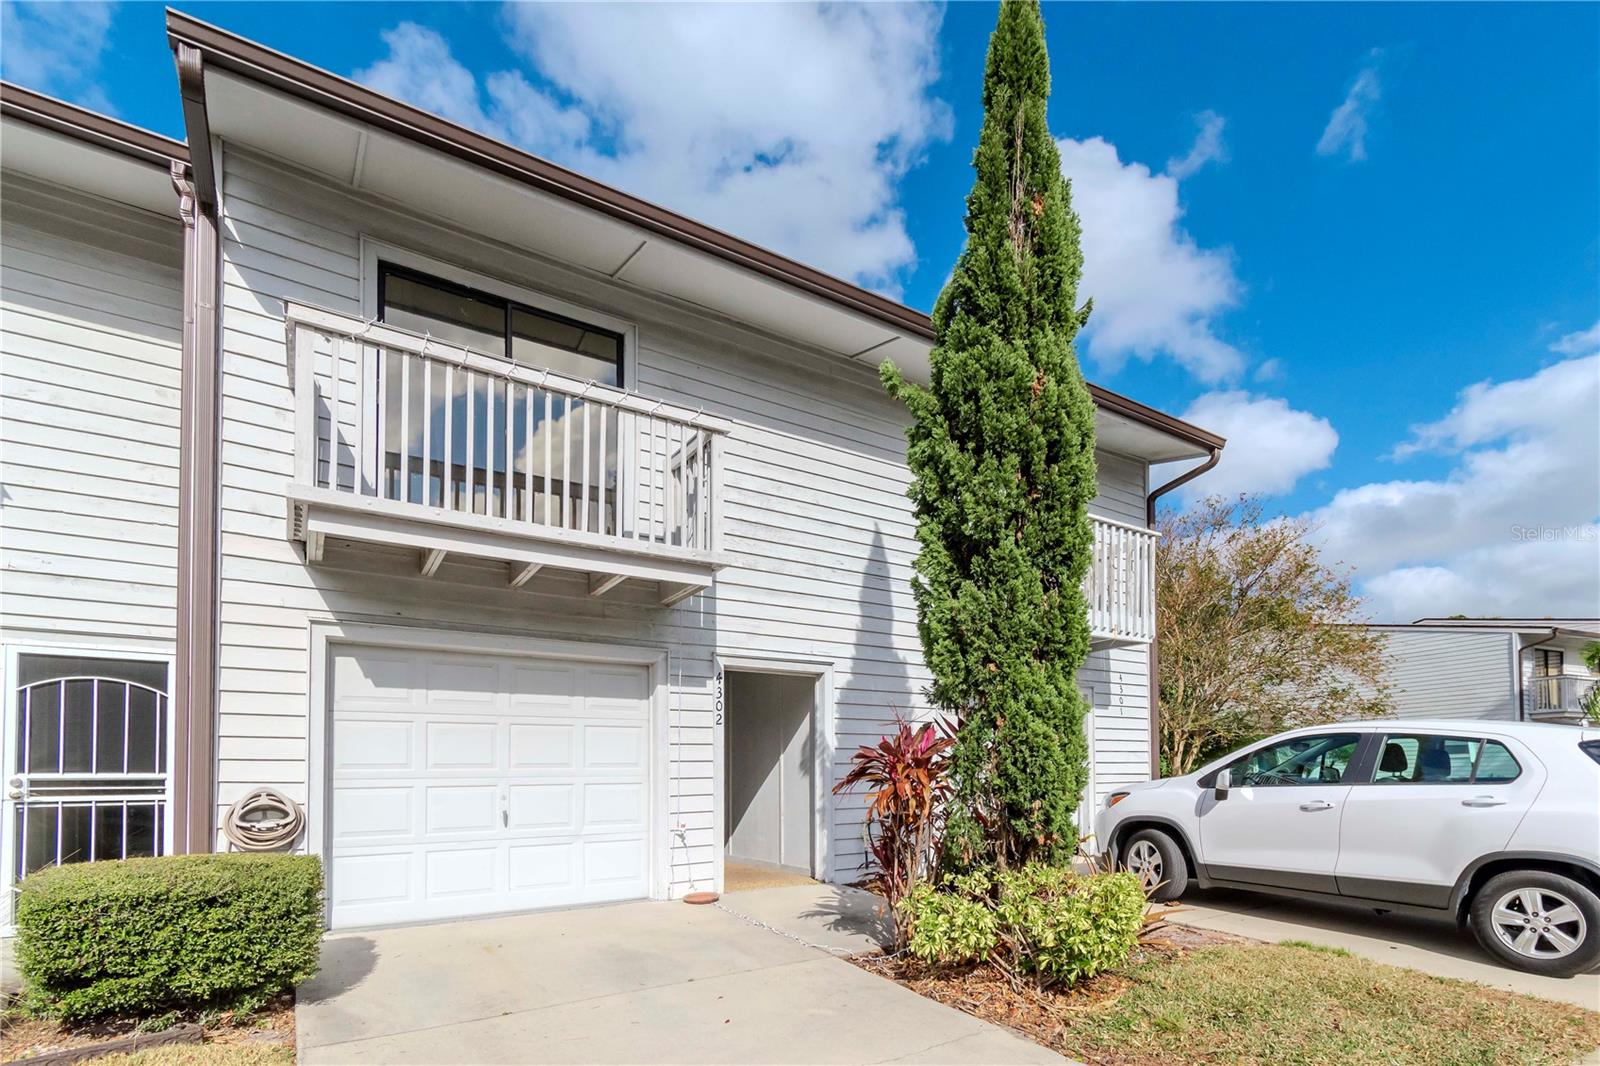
[58,116]
[195,686]
[217,49]
[1155,659]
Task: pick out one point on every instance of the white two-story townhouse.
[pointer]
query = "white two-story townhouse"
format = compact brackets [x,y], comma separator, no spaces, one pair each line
[544,546]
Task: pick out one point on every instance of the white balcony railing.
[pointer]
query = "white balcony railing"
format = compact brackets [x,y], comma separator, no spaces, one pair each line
[553,471]
[1121,583]
[1558,694]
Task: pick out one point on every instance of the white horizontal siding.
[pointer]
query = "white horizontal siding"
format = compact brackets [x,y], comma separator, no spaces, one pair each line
[815,513]
[90,351]
[1457,673]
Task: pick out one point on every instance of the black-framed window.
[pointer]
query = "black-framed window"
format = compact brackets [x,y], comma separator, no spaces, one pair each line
[471,318]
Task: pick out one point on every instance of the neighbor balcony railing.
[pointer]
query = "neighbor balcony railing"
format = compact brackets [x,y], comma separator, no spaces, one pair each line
[437,430]
[1559,693]
[1121,583]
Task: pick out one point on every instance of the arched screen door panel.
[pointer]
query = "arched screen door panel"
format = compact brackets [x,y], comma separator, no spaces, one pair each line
[88,774]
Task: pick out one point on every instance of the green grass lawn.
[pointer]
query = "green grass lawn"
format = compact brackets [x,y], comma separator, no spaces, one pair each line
[1292,1003]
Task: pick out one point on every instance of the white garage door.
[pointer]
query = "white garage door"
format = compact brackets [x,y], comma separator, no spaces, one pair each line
[466,784]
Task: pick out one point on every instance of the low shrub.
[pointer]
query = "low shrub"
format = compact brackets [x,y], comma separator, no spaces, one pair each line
[1061,927]
[1043,922]
[953,925]
[184,932]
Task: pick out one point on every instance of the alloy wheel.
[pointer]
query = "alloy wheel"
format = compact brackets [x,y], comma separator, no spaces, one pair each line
[1144,859]
[1538,923]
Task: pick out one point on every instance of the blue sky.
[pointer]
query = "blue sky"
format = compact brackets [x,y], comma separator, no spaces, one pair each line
[1363,241]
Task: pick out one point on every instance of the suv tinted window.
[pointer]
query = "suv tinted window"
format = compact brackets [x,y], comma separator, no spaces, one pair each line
[1418,758]
[1312,760]
[1496,765]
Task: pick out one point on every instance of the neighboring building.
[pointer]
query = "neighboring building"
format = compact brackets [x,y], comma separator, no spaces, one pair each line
[546,546]
[1513,669]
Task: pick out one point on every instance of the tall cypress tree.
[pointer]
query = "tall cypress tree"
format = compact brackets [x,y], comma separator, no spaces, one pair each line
[1001,450]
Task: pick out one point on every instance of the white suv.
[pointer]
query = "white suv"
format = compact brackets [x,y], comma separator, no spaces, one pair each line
[1494,823]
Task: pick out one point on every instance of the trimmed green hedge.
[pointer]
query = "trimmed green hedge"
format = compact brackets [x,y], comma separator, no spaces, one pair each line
[180,932]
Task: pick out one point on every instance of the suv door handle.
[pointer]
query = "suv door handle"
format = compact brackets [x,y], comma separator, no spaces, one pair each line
[1317,805]
[1483,801]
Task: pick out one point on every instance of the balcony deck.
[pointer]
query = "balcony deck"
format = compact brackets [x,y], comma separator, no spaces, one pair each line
[404,441]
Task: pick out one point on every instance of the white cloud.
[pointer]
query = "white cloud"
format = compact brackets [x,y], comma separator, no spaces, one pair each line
[1208,147]
[56,48]
[1271,446]
[1346,131]
[1155,290]
[789,125]
[421,70]
[1512,528]
[1582,342]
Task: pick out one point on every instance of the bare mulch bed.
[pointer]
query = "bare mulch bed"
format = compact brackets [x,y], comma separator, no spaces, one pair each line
[23,1036]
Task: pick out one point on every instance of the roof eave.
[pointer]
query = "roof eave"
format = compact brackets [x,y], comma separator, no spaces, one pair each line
[90,127]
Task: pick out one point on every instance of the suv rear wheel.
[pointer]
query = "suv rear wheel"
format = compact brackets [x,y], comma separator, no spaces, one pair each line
[1159,862]
[1538,921]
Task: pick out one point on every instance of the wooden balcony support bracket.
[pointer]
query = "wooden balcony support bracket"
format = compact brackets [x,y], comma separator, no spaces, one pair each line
[674,594]
[600,584]
[519,574]
[431,558]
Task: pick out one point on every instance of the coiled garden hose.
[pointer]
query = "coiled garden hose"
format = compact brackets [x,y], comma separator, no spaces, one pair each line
[263,820]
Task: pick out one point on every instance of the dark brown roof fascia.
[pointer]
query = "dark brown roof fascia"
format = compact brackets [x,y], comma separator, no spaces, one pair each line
[1117,403]
[222,50]
[91,127]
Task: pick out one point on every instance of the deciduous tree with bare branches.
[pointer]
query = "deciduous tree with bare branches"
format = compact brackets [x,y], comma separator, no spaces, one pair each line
[1253,633]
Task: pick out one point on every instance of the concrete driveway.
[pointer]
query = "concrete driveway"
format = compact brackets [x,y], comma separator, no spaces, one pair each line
[638,982]
[1431,945]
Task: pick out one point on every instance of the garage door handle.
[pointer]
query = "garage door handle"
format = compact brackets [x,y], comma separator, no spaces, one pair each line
[1317,805]
[1483,801]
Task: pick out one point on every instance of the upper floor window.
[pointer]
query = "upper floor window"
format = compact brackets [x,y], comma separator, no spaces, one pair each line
[474,319]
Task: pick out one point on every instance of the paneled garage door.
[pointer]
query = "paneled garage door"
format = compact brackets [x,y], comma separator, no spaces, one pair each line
[465,784]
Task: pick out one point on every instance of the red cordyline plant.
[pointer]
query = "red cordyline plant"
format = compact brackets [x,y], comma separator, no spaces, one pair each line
[907,778]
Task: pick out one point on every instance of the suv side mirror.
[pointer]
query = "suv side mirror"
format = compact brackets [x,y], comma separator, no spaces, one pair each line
[1224,783]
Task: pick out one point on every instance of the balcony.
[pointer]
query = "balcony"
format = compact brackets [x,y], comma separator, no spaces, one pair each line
[403,441]
[1121,584]
[410,443]
[1557,697]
